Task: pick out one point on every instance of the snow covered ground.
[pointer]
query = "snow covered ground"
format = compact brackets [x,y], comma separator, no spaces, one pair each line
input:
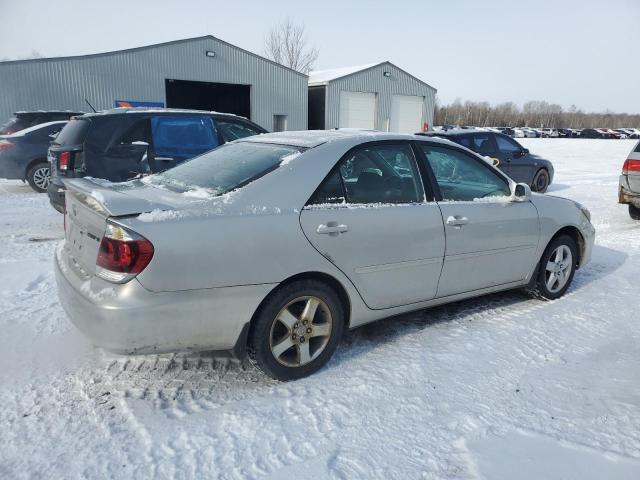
[501,387]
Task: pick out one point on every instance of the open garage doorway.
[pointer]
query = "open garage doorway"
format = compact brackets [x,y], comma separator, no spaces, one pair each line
[220,97]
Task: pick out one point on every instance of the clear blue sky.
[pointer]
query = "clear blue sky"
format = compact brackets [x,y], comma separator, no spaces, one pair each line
[567,52]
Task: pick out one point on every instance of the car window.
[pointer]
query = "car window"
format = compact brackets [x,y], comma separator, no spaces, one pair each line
[139,132]
[232,130]
[506,145]
[73,133]
[464,141]
[462,177]
[226,168]
[330,190]
[184,136]
[483,144]
[383,173]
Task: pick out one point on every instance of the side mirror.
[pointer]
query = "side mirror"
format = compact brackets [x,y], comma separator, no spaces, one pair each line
[521,193]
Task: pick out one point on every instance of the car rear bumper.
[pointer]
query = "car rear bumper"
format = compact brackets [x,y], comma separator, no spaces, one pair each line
[55,191]
[625,194]
[129,319]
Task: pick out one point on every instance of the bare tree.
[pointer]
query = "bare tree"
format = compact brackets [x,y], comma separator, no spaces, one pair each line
[287,45]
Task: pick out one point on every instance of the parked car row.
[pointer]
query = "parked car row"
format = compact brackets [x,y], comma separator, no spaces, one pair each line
[529,132]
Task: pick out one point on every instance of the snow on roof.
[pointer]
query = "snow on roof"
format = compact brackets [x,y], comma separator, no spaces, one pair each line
[324,76]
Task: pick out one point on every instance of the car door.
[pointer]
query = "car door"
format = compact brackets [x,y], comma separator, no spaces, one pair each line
[179,138]
[370,218]
[490,240]
[514,159]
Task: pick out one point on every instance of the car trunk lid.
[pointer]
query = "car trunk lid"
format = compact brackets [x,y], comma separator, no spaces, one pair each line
[91,202]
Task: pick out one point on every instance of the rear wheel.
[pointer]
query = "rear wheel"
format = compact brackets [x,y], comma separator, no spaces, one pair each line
[557,267]
[634,212]
[540,181]
[38,176]
[297,330]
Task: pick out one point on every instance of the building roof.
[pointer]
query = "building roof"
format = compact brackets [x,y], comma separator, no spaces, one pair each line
[321,77]
[324,77]
[146,47]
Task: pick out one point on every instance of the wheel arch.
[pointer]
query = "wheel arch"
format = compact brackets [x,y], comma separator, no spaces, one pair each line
[576,235]
[32,163]
[240,348]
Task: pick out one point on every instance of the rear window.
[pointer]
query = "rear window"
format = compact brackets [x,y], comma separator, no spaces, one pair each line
[637,147]
[73,133]
[226,168]
[13,125]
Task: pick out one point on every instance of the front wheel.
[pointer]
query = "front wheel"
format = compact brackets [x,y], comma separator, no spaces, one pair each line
[634,212]
[557,267]
[297,330]
[540,181]
[38,177]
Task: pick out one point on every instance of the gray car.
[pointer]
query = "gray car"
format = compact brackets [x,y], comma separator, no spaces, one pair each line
[629,185]
[507,154]
[276,243]
[23,155]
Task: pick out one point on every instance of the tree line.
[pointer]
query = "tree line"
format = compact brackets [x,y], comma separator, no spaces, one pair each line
[531,114]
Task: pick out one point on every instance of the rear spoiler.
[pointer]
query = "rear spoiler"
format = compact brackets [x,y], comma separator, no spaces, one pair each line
[110,199]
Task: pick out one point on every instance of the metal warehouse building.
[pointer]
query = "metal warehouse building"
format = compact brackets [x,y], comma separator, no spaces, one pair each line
[204,73]
[377,97]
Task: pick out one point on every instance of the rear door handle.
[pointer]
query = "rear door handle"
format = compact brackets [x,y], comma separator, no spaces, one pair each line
[164,159]
[457,221]
[332,228]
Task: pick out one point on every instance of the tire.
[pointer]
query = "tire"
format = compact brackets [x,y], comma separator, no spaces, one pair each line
[540,181]
[544,287]
[38,176]
[634,212]
[279,342]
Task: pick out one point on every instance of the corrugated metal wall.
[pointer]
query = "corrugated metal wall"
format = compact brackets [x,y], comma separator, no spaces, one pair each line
[140,75]
[373,80]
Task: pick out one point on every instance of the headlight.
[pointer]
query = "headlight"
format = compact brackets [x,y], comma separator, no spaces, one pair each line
[585,211]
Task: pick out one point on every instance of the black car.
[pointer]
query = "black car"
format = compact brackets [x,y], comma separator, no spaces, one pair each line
[594,133]
[23,155]
[507,154]
[121,144]
[22,120]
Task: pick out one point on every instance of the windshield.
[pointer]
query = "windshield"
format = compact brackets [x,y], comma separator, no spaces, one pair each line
[226,168]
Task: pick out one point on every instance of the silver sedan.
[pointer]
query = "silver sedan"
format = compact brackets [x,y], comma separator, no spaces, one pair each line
[274,244]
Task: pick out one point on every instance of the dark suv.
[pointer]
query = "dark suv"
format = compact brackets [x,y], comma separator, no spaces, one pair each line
[121,144]
[507,154]
[22,120]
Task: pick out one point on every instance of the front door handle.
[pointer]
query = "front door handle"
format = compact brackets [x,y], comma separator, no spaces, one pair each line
[457,221]
[332,228]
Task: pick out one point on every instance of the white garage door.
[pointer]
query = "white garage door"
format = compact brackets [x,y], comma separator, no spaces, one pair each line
[357,110]
[406,113]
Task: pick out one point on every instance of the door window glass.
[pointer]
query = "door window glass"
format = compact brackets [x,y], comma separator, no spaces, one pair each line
[234,130]
[385,173]
[506,145]
[462,177]
[483,144]
[139,132]
[182,137]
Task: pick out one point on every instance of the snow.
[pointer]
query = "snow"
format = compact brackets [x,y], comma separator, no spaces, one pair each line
[323,76]
[497,387]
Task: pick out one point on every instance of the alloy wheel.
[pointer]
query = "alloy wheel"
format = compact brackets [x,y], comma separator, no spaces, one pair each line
[301,331]
[41,177]
[558,269]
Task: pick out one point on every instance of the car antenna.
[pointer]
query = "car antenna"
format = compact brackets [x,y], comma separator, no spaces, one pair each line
[94,110]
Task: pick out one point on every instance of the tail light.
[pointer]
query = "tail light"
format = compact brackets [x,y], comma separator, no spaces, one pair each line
[630,165]
[6,145]
[64,160]
[122,254]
